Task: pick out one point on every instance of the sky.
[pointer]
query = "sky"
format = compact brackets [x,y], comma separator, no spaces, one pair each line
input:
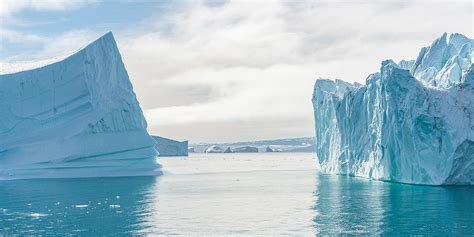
[224,71]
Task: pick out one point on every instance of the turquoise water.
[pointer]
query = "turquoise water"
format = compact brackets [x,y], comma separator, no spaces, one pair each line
[241,194]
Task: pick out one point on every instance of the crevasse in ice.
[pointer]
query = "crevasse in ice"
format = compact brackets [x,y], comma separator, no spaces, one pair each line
[75,118]
[412,122]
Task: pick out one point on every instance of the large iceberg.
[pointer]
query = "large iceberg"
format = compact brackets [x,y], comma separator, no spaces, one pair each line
[412,122]
[75,118]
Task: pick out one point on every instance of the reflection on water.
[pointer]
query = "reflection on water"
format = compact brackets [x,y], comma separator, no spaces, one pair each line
[73,206]
[355,205]
[279,203]
[222,194]
[226,194]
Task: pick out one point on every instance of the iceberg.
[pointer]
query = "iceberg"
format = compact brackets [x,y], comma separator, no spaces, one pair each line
[246,149]
[412,122]
[269,149]
[168,147]
[309,148]
[214,149]
[74,118]
[228,150]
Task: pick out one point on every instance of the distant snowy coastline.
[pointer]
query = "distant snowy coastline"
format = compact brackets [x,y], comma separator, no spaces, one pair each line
[301,144]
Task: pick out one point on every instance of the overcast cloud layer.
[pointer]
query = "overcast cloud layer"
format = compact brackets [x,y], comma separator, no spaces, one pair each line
[245,70]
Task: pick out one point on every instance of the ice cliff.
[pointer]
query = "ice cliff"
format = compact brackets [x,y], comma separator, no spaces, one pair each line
[168,147]
[412,122]
[75,118]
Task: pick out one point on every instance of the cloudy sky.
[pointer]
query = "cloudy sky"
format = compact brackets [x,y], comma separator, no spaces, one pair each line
[209,71]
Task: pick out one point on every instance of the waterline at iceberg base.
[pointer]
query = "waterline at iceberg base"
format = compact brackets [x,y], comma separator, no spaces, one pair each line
[75,118]
[412,122]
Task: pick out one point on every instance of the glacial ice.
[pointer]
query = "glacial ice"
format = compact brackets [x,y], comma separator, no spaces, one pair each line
[214,149]
[412,122]
[74,118]
[245,149]
[269,149]
[168,147]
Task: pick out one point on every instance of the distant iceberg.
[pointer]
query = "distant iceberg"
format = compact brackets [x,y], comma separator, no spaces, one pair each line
[168,147]
[269,149]
[75,118]
[303,149]
[214,149]
[278,145]
[228,150]
[245,149]
[412,122]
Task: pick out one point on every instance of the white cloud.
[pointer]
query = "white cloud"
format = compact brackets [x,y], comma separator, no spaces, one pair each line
[68,42]
[53,50]
[245,70]
[241,67]
[10,7]
[14,36]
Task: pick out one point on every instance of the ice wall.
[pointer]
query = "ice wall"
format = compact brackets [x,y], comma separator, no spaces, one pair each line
[412,122]
[75,118]
[168,147]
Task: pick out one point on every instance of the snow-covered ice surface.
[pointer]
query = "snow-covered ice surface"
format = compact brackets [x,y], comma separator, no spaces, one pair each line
[412,122]
[214,149]
[75,118]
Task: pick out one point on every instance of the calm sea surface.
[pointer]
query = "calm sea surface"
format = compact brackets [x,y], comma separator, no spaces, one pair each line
[233,194]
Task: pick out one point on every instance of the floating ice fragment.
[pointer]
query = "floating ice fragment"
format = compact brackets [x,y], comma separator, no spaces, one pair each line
[37,215]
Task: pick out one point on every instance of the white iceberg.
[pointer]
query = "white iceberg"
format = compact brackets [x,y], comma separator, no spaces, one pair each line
[75,118]
[310,148]
[245,149]
[412,122]
[269,149]
[214,149]
[169,147]
[228,150]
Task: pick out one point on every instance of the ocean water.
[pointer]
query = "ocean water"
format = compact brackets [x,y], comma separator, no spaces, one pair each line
[233,194]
